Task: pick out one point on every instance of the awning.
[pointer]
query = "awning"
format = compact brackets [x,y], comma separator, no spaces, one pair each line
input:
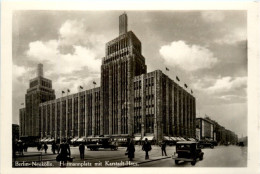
[46,140]
[179,138]
[42,140]
[149,138]
[166,138]
[137,138]
[174,138]
[81,139]
[51,140]
[73,139]
[183,139]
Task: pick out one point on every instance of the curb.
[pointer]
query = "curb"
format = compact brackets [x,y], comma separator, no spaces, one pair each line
[142,162]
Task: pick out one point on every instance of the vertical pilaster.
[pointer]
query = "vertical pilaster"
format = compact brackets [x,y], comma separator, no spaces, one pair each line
[110,102]
[119,97]
[46,119]
[86,116]
[55,124]
[42,133]
[130,96]
[67,120]
[101,101]
[143,94]
[72,117]
[173,111]
[51,132]
[178,111]
[79,125]
[93,113]
[167,105]
[61,120]
[159,105]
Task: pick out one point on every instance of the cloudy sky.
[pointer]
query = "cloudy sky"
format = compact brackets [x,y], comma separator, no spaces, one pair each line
[207,50]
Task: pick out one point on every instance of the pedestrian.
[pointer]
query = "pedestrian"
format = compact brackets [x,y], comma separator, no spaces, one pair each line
[25,147]
[82,150]
[146,147]
[21,148]
[64,153]
[45,147]
[130,150]
[163,147]
[39,146]
[53,147]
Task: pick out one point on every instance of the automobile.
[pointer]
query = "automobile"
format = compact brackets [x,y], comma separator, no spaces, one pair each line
[102,142]
[203,144]
[187,151]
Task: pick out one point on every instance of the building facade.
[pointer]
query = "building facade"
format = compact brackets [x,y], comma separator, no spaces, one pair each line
[129,101]
[40,90]
[205,129]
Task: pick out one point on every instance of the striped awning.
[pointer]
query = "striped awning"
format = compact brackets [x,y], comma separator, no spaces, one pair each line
[81,139]
[179,138]
[74,139]
[149,138]
[167,138]
[174,138]
[46,140]
[51,140]
[183,139]
[137,138]
[42,140]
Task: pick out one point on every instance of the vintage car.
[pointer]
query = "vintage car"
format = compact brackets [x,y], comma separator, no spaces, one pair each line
[203,144]
[102,142]
[187,151]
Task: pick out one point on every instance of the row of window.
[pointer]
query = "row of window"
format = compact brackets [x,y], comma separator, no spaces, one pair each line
[117,57]
[123,43]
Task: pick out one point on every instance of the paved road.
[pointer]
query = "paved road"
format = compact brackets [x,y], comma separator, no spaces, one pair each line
[220,156]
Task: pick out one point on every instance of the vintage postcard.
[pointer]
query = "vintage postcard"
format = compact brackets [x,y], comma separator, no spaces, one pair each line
[147,86]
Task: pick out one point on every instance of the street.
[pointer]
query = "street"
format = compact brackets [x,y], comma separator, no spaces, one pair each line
[220,156]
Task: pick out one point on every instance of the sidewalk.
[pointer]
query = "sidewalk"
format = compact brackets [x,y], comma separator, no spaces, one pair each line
[103,155]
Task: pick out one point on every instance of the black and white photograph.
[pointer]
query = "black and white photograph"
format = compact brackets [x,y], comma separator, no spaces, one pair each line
[127,88]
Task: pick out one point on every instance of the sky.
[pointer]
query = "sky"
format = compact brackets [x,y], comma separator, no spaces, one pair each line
[207,50]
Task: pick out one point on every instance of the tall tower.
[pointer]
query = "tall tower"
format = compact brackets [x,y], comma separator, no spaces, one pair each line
[40,90]
[123,61]
[123,24]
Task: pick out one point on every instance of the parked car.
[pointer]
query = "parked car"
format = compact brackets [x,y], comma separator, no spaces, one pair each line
[103,142]
[187,151]
[203,144]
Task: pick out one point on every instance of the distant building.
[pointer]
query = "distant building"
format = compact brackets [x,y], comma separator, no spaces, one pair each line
[205,129]
[129,102]
[40,90]
[221,134]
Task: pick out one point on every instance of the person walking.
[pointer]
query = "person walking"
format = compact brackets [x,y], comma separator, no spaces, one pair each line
[21,148]
[63,153]
[163,147]
[53,147]
[39,146]
[45,147]
[130,150]
[146,147]
[82,150]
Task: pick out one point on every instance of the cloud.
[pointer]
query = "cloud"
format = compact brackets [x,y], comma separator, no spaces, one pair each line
[47,52]
[228,83]
[212,16]
[75,32]
[187,57]
[223,87]
[237,35]
[81,64]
